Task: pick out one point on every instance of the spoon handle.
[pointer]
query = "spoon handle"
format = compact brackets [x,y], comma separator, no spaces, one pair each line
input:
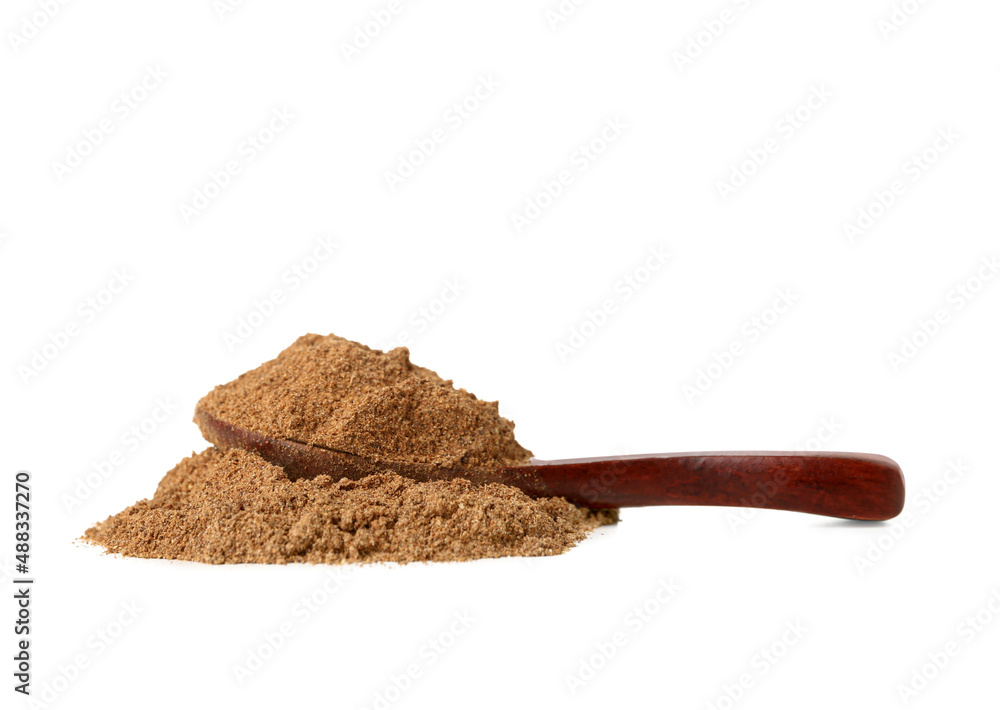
[859,486]
[842,485]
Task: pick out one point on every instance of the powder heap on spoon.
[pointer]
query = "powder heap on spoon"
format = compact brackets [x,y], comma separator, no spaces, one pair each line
[341,395]
[233,506]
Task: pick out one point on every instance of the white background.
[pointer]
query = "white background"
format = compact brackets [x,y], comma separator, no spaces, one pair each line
[876,601]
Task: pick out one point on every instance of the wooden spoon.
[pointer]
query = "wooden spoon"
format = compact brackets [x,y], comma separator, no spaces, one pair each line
[857,486]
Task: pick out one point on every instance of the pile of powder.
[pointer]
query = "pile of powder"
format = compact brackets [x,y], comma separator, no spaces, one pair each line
[233,506]
[230,506]
[331,392]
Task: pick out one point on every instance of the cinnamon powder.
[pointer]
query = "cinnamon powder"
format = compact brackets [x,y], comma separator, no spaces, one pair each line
[233,506]
[332,392]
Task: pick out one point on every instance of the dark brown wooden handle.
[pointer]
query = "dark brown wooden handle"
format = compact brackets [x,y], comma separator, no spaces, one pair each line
[843,485]
[859,486]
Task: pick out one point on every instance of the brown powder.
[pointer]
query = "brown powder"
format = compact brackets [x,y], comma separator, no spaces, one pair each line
[232,506]
[335,393]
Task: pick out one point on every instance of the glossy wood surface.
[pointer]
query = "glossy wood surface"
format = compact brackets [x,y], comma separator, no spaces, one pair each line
[844,485]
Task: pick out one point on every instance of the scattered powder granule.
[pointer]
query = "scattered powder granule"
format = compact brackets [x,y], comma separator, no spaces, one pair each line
[232,506]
